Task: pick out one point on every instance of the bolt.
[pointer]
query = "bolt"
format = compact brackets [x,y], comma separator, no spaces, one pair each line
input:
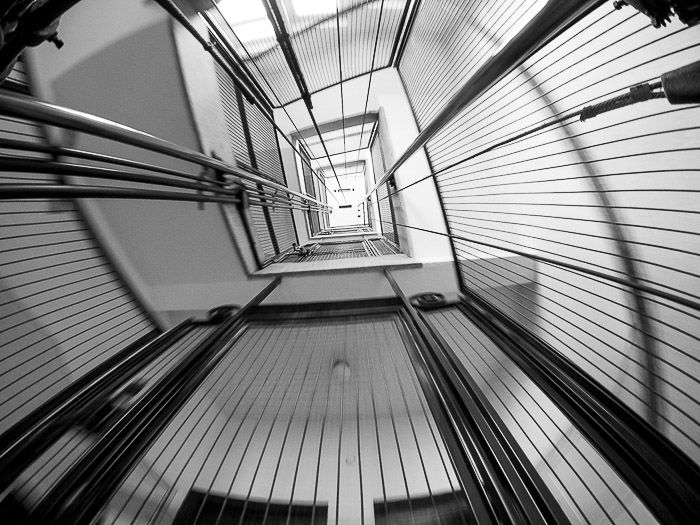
[618,4]
[56,41]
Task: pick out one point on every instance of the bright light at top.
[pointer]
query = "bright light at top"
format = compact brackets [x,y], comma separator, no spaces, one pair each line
[314,7]
[248,19]
[242,11]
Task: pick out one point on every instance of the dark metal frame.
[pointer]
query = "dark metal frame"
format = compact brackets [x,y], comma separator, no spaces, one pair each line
[404,33]
[511,489]
[26,440]
[663,477]
[84,489]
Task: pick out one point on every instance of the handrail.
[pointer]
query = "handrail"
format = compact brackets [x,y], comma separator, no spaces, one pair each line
[221,188]
[554,18]
[55,115]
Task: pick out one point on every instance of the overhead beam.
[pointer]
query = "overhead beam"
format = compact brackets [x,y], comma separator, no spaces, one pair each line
[328,127]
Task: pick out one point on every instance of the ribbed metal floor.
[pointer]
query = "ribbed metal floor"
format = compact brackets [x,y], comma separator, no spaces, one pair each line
[315,421]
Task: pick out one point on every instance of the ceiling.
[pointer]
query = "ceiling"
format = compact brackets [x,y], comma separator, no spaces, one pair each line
[316,29]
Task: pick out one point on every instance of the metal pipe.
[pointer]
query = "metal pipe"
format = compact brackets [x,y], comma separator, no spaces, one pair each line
[54,115]
[274,195]
[24,165]
[553,19]
[63,191]
[39,165]
[18,164]
[21,145]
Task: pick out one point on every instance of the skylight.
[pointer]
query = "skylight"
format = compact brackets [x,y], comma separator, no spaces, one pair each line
[314,7]
[248,19]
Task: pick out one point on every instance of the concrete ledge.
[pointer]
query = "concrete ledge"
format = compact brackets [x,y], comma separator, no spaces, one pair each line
[359,264]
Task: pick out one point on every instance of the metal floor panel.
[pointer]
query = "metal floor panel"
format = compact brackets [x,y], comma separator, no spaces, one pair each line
[321,415]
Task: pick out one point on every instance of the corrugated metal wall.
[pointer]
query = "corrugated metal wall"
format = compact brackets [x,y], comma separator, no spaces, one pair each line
[230,99]
[314,37]
[63,310]
[616,194]
[274,227]
[310,184]
[267,156]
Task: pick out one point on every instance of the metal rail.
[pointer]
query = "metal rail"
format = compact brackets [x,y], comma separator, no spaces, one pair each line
[54,115]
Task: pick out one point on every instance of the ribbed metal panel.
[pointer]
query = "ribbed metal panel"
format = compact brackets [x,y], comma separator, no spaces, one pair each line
[63,309]
[310,183]
[586,486]
[260,227]
[448,42]
[263,57]
[315,40]
[615,194]
[239,145]
[232,113]
[47,469]
[264,140]
[326,415]
[267,158]
[386,217]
